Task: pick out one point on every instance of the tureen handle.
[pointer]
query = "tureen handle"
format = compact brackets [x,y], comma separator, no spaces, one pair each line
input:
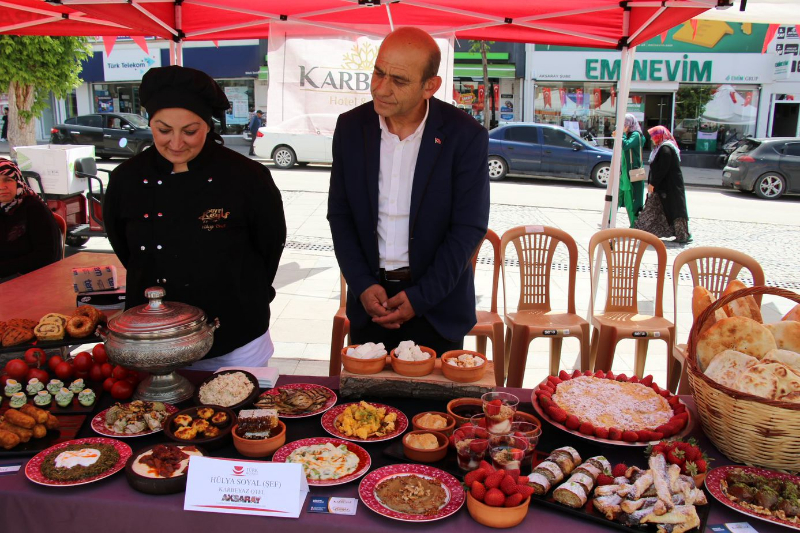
[155,295]
[102,331]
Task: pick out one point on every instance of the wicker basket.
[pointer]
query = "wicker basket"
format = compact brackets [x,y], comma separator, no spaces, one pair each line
[746,428]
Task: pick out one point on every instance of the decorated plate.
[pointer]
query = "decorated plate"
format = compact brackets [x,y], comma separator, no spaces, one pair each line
[364,461]
[33,470]
[330,416]
[326,399]
[714,484]
[453,501]
[99,425]
[544,416]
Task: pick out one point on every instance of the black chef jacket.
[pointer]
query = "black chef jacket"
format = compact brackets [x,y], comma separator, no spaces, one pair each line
[212,236]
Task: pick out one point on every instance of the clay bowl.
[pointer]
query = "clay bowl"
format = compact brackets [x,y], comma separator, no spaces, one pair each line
[426,456]
[208,443]
[520,416]
[447,430]
[414,369]
[260,447]
[497,517]
[152,485]
[355,365]
[463,408]
[462,375]
[251,398]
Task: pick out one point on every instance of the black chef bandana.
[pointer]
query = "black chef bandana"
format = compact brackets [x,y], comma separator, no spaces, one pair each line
[183,87]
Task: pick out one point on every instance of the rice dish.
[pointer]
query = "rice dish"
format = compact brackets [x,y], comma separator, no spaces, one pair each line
[226,390]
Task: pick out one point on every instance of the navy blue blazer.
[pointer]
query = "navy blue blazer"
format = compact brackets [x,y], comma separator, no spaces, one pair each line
[448,219]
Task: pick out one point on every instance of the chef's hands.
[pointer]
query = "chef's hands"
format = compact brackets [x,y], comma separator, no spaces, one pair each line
[399,311]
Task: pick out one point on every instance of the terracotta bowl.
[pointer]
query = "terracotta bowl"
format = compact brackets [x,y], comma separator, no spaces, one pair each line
[414,369]
[259,447]
[158,486]
[426,456]
[355,365]
[520,416]
[462,375]
[447,430]
[497,517]
[463,408]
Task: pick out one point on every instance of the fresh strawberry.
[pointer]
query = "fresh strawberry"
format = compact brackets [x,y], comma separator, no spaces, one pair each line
[601,433]
[573,422]
[666,429]
[603,479]
[513,500]
[514,473]
[659,449]
[493,407]
[619,470]
[586,428]
[548,387]
[633,379]
[655,388]
[554,380]
[525,490]
[564,375]
[614,434]
[693,453]
[622,377]
[557,414]
[493,480]
[485,465]
[673,401]
[588,373]
[647,380]
[680,420]
[610,375]
[600,374]
[702,465]
[630,436]
[452,441]
[478,446]
[576,373]
[676,457]
[679,409]
[476,475]
[545,402]
[645,435]
[683,446]
[477,490]
[508,486]
[494,497]
[665,393]
[657,435]
[522,480]
[517,454]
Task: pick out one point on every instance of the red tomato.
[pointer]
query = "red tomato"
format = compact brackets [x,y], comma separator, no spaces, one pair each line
[96,373]
[107,369]
[64,370]
[119,372]
[133,378]
[3,379]
[99,353]
[17,369]
[108,383]
[82,361]
[53,362]
[82,375]
[39,374]
[35,357]
[122,390]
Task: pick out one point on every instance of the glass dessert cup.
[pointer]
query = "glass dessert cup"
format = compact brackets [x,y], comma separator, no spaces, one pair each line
[507,452]
[531,433]
[471,443]
[499,408]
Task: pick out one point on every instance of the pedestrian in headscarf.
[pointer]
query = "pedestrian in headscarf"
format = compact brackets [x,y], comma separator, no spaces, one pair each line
[665,213]
[631,193]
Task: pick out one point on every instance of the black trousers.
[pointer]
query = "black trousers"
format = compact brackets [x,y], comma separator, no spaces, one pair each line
[418,329]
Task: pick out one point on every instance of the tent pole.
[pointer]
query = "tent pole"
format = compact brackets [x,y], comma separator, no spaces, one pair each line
[172,53]
[179,27]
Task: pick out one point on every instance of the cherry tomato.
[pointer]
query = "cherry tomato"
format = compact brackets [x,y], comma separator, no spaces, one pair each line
[81,374]
[35,357]
[39,374]
[17,369]
[106,369]
[122,390]
[82,361]
[119,372]
[3,379]
[108,383]
[53,362]
[96,373]
[64,371]
[99,353]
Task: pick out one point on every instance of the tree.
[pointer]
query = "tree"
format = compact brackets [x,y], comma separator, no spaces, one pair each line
[484,47]
[691,101]
[31,68]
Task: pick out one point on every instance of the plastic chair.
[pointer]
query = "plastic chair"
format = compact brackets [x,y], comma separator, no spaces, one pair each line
[713,268]
[341,329]
[536,246]
[490,323]
[624,249]
[62,227]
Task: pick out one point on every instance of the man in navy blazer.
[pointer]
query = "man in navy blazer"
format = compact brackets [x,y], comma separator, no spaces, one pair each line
[408,203]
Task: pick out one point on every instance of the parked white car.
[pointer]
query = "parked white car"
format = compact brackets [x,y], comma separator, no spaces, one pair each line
[302,139]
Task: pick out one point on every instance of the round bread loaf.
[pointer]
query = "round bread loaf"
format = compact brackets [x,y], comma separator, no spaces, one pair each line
[793,314]
[727,367]
[786,334]
[734,333]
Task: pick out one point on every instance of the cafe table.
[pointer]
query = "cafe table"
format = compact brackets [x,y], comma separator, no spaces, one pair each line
[111,505]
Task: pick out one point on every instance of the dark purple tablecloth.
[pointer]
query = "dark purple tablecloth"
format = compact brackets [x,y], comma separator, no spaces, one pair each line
[110,505]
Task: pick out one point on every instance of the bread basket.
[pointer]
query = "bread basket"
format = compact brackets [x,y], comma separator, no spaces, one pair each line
[746,428]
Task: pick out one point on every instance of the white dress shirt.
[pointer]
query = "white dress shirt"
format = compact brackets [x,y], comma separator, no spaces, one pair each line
[395,179]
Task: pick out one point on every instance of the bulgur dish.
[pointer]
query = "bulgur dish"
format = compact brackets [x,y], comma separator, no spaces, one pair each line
[226,389]
[79,461]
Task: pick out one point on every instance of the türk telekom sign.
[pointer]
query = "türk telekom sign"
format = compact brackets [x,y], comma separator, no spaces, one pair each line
[130,64]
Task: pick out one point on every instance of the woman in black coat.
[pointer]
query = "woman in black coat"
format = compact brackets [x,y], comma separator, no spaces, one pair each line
[29,235]
[665,213]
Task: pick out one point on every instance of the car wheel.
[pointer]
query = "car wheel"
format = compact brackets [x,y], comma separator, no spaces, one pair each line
[143,147]
[284,157]
[601,174]
[498,168]
[770,186]
[76,241]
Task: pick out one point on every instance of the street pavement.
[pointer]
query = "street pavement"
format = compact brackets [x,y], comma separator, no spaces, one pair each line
[307,282]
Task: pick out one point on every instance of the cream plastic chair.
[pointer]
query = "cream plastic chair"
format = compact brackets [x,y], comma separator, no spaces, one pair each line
[713,268]
[536,246]
[623,250]
[341,329]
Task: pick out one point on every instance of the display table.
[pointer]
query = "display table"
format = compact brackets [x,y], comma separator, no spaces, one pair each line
[49,289]
[110,505]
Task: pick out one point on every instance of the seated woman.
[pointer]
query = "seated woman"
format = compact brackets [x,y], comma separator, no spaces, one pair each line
[29,235]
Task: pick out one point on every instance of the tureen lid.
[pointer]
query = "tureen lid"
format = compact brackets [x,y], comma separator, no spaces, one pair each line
[158,319]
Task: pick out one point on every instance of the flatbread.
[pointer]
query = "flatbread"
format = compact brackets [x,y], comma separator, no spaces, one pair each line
[727,367]
[793,314]
[790,359]
[746,306]
[701,299]
[786,334]
[734,333]
[771,380]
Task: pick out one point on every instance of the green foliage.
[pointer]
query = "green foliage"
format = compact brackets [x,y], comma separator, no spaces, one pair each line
[46,63]
[691,101]
[475,46]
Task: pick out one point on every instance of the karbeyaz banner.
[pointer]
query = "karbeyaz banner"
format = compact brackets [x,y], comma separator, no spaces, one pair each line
[328,73]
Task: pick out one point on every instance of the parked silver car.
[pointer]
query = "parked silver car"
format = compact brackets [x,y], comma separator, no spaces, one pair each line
[302,139]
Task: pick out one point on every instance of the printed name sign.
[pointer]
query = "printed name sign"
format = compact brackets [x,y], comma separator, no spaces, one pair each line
[237,486]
